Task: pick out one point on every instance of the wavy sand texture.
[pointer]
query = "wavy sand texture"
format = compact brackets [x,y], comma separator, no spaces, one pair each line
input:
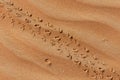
[59,40]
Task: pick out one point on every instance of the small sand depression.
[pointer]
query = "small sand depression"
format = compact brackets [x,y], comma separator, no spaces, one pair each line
[48,62]
[59,40]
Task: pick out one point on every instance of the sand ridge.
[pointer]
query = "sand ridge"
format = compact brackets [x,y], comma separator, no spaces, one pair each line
[62,44]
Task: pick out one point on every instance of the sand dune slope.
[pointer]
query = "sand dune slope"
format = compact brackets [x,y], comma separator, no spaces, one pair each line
[59,40]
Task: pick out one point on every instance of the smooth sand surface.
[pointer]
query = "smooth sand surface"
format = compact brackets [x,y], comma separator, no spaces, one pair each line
[59,39]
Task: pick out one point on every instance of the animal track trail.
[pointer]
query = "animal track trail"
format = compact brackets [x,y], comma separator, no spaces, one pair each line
[66,44]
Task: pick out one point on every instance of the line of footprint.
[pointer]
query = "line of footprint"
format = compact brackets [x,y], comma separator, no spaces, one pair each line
[66,44]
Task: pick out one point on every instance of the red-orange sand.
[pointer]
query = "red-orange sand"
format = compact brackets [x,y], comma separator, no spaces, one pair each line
[59,39]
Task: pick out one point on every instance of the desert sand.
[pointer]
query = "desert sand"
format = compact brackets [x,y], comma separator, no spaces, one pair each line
[59,39]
